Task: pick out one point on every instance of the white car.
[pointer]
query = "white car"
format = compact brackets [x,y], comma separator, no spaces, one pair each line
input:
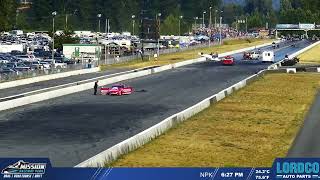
[255,55]
[45,65]
[27,57]
[57,65]
[2,61]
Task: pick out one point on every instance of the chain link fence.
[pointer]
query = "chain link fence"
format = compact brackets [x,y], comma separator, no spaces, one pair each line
[111,59]
[34,73]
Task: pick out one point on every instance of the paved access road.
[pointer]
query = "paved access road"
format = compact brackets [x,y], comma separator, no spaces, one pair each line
[73,128]
[307,142]
[54,82]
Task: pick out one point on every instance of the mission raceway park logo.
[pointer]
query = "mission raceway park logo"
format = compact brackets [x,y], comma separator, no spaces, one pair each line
[24,170]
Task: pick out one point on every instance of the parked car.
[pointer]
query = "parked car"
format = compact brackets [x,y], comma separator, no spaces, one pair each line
[3,60]
[6,70]
[46,65]
[22,67]
[69,61]
[16,53]
[11,65]
[34,65]
[57,64]
[27,57]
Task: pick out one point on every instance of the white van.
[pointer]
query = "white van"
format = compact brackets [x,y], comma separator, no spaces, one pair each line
[268,56]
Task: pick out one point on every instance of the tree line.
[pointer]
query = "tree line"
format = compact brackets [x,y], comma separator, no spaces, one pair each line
[82,14]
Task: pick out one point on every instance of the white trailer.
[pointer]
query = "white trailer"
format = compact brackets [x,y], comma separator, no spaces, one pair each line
[7,48]
[268,56]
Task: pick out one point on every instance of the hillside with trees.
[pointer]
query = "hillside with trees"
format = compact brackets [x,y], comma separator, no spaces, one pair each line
[82,14]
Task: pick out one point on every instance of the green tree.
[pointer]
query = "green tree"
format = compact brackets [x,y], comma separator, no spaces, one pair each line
[65,38]
[7,14]
[255,20]
[170,25]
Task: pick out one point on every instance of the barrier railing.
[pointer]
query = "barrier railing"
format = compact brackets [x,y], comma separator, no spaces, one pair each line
[35,73]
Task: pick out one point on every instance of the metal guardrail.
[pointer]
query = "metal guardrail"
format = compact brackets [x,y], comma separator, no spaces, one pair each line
[67,85]
[33,73]
[110,60]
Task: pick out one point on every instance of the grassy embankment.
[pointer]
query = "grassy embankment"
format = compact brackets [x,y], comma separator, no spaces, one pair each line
[248,129]
[189,54]
[312,56]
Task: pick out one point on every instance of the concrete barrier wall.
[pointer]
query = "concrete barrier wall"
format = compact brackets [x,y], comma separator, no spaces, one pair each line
[277,65]
[162,68]
[304,50]
[188,62]
[144,137]
[68,90]
[46,78]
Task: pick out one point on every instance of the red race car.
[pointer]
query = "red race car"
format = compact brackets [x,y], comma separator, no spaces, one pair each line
[118,90]
[228,60]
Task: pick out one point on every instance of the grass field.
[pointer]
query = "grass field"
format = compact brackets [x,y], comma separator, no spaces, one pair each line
[190,54]
[248,129]
[311,56]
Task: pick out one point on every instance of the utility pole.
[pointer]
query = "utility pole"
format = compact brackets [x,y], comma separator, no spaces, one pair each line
[67,15]
[17,14]
[220,27]
[210,20]
[210,25]
[158,21]
[133,23]
[246,24]
[106,28]
[180,30]
[203,25]
[99,16]
[220,30]
[215,19]
[66,26]
[53,33]
[246,19]
[237,23]
[180,18]
[195,21]
[106,46]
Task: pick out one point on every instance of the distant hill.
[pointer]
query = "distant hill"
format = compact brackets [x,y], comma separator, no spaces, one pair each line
[276,3]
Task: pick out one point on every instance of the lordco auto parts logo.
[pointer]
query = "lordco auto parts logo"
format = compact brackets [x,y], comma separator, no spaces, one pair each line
[23,169]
